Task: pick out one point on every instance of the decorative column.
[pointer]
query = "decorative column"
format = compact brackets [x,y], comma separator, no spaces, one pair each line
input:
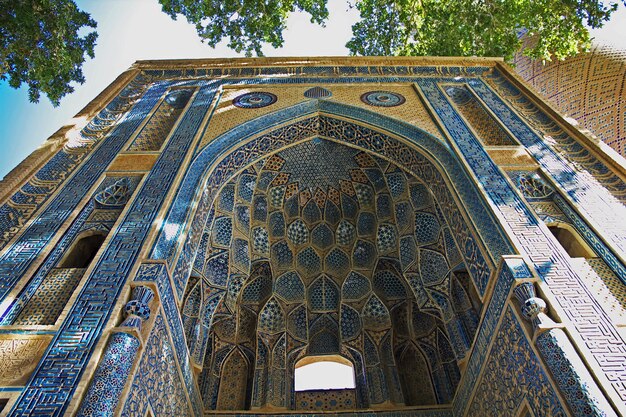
[569,372]
[117,360]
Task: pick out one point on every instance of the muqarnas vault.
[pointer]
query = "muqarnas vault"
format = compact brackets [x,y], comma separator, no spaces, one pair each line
[206,228]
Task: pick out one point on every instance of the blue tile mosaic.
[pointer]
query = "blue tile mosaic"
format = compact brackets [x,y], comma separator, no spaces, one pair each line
[95,302]
[453,217]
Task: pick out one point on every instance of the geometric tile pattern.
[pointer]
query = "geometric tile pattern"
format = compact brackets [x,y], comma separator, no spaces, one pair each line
[114,196]
[254,100]
[407,220]
[508,372]
[233,386]
[334,229]
[33,238]
[88,221]
[549,261]
[318,163]
[587,87]
[488,130]
[157,388]
[154,133]
[94,305]
[584,399]
[512,268]
[164,245]
[608,290]
[551,207]
[110,378]
[19,353]
[51,176]
[317,92]
[51,297]
[382,98]
[158,274]
[586,179]
[340,399]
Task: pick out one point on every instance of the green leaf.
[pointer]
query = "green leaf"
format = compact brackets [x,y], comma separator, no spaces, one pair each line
[247,24]
[40,46]
[555,28]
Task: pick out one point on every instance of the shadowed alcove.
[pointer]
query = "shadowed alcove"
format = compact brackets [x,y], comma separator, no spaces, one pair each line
[324,250]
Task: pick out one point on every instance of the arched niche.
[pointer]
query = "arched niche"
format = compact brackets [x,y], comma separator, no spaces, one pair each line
[437,176]
[49,300]
[570,240]
[190,312]
[235,382]
[414,372]
[83,250]
[411,148]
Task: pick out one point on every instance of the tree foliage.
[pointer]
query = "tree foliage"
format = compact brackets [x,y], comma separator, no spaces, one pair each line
[554,28]
[247,23]
[43,43]
[40,45]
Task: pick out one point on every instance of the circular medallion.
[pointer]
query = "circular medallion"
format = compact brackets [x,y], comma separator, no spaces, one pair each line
[254,100]
[382,98]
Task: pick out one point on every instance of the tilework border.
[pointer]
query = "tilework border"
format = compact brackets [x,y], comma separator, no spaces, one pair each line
[583,189]
[20,255]
[511,268]
[14,309]
[607,347]
[571,376]
[362,72]
[31,196]
[156,373]
[56,254]
[77,336]
[505,384]
[70,339]
[487,226]
[157,273]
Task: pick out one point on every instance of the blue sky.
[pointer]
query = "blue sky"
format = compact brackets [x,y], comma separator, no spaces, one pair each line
[131,30]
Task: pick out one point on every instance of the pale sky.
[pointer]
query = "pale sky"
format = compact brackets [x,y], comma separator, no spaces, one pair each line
[131,30]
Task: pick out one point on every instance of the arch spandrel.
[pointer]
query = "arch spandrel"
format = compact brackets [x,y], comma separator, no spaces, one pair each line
[411,148]
[227,116]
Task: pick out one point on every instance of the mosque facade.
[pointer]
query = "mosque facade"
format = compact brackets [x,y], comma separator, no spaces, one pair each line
[204,228]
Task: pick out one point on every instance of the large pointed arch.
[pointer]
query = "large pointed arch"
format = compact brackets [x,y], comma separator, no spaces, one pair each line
[319,187]
[235,382]
[477,233]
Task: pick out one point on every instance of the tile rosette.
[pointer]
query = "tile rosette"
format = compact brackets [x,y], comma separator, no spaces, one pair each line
[254,100]
[382,98]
